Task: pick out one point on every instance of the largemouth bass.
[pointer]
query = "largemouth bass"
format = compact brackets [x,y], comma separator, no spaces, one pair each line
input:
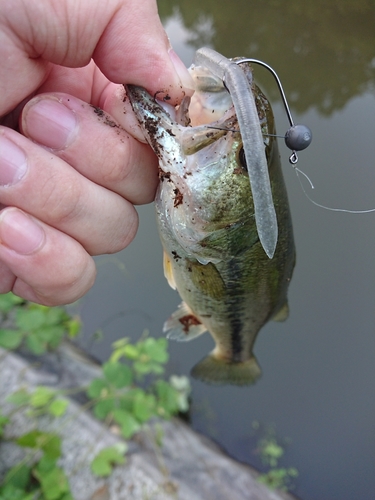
[205,214]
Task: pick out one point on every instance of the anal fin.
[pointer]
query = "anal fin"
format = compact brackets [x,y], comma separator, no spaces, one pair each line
[183,325]
[282,314]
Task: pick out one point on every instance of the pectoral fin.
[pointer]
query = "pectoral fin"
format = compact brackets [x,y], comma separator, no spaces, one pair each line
[168,271]
[183,325]
[207,279]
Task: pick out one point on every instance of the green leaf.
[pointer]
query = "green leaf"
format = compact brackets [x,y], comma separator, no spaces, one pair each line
[58,407]
[271,452]
[144,406]
[8,301]
[30,319]
[143,367]
[19,398]
[11,492]
[54,315]
[44,326]
[3,422]
[117,344]
[18,476]
[67,496]
[48,442]
[30,439]
[156,349]
[131,351]
[10,339]
[278,478]
[118,374]
[52,446]
[104,407]
[98,388]
[52,335]
[35,345]
[103,462]
[46,464]
[125,401]
[168,399]
[74,327]
[41,396]
[129,425]
[54,484]
[118,349]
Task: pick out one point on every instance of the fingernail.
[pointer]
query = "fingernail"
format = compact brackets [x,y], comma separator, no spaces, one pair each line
[19,232]
[181,70]
[13,163]
[48,122]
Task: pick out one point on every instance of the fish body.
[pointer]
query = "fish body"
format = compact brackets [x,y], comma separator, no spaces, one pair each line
[205,214]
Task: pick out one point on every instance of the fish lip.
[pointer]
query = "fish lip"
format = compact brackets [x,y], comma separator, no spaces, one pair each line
[237,84]
[156,123]
[137,95]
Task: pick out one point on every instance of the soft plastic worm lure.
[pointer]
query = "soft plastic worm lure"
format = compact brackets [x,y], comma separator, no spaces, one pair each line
[298,137]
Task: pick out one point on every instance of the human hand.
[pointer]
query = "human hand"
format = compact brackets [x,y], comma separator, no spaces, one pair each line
[70,177]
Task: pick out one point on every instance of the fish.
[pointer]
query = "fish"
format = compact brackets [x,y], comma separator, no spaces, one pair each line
[205,215]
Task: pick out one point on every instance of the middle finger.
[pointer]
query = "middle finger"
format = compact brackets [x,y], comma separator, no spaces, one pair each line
[45,186]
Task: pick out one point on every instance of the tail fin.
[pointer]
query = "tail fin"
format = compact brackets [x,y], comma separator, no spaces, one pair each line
[218,371]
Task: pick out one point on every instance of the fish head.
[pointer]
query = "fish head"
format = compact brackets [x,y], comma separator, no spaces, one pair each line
[204,186]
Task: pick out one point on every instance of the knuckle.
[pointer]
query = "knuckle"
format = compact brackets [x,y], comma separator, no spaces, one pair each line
[119,167]
[125,232]
[72,284]
[60,199]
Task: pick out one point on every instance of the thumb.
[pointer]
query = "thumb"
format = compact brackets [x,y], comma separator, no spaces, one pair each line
[134,48]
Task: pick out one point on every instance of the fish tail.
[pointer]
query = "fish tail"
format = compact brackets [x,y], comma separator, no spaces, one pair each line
[215,370]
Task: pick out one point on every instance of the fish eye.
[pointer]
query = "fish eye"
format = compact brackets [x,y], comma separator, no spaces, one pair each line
[242,158]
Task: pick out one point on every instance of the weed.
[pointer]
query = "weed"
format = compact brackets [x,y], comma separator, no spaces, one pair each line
[129,393]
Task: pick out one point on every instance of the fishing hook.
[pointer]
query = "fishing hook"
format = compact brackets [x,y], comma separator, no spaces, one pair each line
[297,137]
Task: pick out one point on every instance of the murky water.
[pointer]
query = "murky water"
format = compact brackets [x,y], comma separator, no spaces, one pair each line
[317,386]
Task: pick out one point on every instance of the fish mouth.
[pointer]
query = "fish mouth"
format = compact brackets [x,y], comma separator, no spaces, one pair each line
[223,75]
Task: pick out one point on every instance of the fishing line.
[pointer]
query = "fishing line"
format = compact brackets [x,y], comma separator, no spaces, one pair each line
[298,172]
[222,128]
[297,138]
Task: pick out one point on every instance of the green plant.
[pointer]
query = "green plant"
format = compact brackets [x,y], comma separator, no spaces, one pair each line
[44,400]
[279,478]
[271,451]
[39,328]
[43,479]
[130,392]
[115,396]
[104,461]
